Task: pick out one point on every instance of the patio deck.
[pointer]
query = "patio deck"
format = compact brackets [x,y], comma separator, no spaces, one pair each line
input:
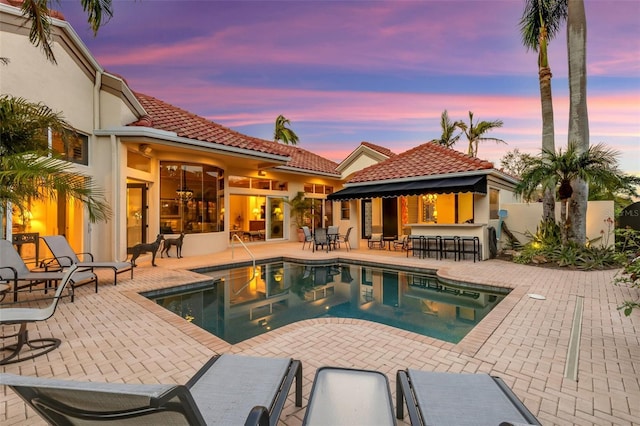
[119,336]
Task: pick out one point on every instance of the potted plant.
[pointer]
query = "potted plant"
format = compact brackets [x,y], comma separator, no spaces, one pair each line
[300,209]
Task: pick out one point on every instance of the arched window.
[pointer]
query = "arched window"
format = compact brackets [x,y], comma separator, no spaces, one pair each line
[191,198]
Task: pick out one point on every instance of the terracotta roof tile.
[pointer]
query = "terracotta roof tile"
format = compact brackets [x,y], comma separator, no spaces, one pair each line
[164,116]
[428,159]
[305,160]
[167,117]
[382,150]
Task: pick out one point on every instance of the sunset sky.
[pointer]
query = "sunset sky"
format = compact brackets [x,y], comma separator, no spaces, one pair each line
[377,71]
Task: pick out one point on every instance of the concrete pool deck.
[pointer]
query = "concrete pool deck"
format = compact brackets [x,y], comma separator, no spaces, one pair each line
[117,335]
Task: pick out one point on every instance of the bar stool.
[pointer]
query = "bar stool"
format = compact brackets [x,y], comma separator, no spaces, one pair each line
[432,245]
[449,245]
[469,245]
[416,246]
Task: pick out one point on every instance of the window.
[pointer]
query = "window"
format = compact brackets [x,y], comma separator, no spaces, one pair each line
[494,203]
[257,183]
[191,200]
[345,212]
[74,147]
[317,188]
[429,209]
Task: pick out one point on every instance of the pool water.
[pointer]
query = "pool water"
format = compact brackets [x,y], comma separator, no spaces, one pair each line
[240,304]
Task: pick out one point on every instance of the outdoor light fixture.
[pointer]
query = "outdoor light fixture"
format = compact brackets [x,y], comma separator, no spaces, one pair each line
[262,173]
[145,148]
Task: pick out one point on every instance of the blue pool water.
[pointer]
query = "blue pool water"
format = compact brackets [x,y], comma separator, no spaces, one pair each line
[239,304]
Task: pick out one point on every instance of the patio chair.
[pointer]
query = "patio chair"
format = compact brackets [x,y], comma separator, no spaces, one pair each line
[333,232]
[344,239]
[223,392]
[308,238]
[320,238]
[376,240]
[435,398]
[401,243]
[65,256]
[25,316]
[14,270]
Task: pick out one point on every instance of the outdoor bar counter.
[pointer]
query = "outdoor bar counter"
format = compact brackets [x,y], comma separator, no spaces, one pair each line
[453,229]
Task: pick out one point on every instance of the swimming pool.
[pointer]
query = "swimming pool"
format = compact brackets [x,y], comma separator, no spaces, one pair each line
[239,304]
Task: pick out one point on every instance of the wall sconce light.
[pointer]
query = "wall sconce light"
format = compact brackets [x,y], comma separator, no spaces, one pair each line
[262,173]
[145,148]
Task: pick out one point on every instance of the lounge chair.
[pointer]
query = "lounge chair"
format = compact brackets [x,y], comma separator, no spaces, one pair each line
[14,270]
[25,316]
[65,256]
[308,238]
[223,392]
[345,396]
[460,399]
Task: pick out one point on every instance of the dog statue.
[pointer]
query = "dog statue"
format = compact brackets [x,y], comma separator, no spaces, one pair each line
[152,248]
[168,242]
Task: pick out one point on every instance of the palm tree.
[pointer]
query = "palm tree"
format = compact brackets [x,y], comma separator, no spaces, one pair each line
[283,133]
[557,171]
[539,24]
[37,12]
[578,115]
[475,132]
[448,128]
[30,170]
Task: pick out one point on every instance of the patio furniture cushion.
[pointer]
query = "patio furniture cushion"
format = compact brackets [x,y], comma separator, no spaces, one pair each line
[222,400]
[435,398]
[223,394]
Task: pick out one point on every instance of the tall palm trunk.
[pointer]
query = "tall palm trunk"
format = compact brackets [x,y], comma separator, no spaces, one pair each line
[548,130]
[578,116]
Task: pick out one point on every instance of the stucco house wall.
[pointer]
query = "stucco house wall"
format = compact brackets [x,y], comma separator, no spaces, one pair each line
[523,218]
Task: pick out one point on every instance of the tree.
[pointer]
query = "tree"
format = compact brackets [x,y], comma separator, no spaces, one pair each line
[539,24]
[516,162]
[578,115]
[475,132]
[556,171]
[39,14]
[283,133]
[448,128]
[30,170]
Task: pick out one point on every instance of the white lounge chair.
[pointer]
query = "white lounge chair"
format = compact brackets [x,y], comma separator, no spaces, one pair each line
[223,392]
[65,256]
[25,316]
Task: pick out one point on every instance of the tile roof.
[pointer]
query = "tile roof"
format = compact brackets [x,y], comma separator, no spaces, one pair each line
[164,116]
[380,149]
[428,159]
[305,160]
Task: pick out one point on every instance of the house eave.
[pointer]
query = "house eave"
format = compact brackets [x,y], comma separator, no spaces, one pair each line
[171,139]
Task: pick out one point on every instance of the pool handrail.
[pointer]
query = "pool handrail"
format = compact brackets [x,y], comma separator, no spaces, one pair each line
[253,260]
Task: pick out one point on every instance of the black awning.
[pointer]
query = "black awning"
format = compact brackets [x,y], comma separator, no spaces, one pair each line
[475,184]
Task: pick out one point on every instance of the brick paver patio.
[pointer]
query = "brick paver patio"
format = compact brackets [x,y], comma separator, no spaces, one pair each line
[117,335]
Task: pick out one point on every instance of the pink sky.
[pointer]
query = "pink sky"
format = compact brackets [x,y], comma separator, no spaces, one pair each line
[377,71]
